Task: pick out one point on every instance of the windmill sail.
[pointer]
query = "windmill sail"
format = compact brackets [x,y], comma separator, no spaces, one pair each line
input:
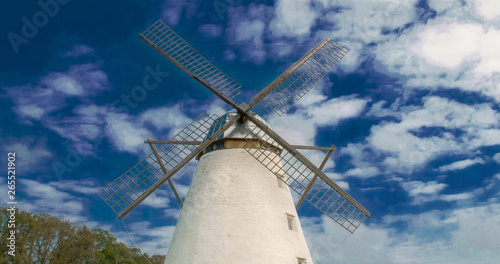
[282,159]
[281,94]
[299,174]
[128,190]
[174,48]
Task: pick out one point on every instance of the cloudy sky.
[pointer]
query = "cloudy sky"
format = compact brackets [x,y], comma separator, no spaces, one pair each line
[413,109]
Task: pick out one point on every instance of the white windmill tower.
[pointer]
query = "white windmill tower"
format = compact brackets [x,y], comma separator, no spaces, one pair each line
[238,208]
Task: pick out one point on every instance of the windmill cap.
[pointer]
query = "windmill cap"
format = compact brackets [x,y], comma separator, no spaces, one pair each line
[247,130]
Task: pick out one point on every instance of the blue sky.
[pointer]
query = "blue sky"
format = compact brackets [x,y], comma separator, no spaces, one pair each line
[413,110]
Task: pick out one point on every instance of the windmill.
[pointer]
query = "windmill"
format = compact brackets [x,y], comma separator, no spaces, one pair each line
[239,207]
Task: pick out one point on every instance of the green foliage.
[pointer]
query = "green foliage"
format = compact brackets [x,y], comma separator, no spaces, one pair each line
[44,239]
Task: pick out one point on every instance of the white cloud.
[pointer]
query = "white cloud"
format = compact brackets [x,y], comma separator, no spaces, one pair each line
[452,50]
[49,93]
[456,197]
[92,124]
[449,45]
[211,30]
[378,109]
[217,107]
[166,117]
[363,172]
[336,109]
[487,137]
[497,157]
[441,6]
[423,188]
[431,237]
[423,192]
[247,25]
[282,50]
[462,164]
[327,236]
[407,151]
[48,198]
[67,85]
[151,240]
[487,9]
[128,132]
[172,213]
[339,179]
[172,11]
[293,18]
[84,131]
[78,50]
[31,111]
[229,55]
[29,152]
[33,102]
[40,190]
[359,23]
[158,199]
[315,95]
[363,168]
[125,133]
[366,21]
[307,119]
[75,186]
[252,31]
[79,80]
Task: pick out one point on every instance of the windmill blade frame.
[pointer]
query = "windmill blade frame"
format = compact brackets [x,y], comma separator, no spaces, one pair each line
[286,90]
[261,142]
[140,181]
[303,177]
[164,40]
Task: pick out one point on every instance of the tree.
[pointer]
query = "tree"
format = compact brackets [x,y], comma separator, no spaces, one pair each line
[157,259]
[42,238]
